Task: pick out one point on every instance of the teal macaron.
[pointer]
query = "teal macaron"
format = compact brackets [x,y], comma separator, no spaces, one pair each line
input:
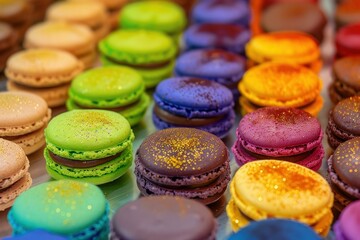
[93,146]
[75,210]
[116,88]
[150,53]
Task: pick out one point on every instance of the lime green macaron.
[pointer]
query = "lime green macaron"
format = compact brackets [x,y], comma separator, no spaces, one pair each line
[71,209]
[94,146]
[115,88]
[151,53]
[163,16]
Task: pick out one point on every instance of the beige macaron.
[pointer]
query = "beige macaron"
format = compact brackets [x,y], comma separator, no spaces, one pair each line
[14,175]
[23,118]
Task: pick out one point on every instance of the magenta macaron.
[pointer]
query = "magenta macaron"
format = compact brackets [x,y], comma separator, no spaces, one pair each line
[347,226]
[287,134]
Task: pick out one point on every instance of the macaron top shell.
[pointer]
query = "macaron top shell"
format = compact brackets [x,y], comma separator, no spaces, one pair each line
[280,84]
[109,86]
[13,159]
[346,115]
[88,134]
[212,63]
[153,15]
[294,47]
[63,207]
[182,152]
[21,108]
[286,127]
[346,161]
[349,221]
[275,188]
[347,70]
[138,46]
[163,217]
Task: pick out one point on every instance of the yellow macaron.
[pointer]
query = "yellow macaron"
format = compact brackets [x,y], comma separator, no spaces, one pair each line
[279,189]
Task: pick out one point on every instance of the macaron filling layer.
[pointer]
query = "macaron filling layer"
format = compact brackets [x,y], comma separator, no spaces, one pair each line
[140,66]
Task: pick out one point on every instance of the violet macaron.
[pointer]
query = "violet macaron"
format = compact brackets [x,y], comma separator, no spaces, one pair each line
[224,36]
[216,65]
[287,134]
[194,102]
[347,226]
[222,11]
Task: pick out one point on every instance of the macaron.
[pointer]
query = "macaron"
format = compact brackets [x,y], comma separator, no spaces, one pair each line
[344,173]
[216,65]
[275,229]
[347,40]
[296,137]
[280,84]
[93,146]
[294,47]
[45,72]
[36,234]
[71,209]
[162,16]
[115,88]
[222,11]
[14,175]
[294,16]
[75,38]
[90,13]
[8,43]
[163,217]
[41,6]
[183,162]
[151,53]
[343,123]
[347,12]
[194,102]
[23,119]
[280,189]
[224,36]
[346,228]
[345,81]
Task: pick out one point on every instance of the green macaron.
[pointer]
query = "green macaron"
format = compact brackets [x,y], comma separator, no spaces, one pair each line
[115,88]
[151,53]
[94,146]
[72,209]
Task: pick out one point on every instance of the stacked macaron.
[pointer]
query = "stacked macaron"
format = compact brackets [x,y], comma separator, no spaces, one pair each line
[346,228]
[296,137]
[44,72]
[347,12]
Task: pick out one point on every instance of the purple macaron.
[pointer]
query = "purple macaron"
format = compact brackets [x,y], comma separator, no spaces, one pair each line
[222,11]
[194,102]
[217,65]
[229,37]
[347,226]
[287,134]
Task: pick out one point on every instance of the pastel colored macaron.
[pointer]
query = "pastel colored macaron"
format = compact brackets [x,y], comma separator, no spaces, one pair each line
[296,137]
[280,84]
[224,36]
[344,173]
[216,65]
[280,189]
[347,12]
[75,38]
[346,226]
[36,234]
[343,121]
[44,72]
[14,175]
[163,217]
[8,43]
[275,229]
[151,53]
[194,102]
[71,209]
[345,83]
[293,47]
[91,13]
[347,40]
[115,88]
[23,119]
[220,11]
[93,146]
[173,161]
[295,16]
[162,16]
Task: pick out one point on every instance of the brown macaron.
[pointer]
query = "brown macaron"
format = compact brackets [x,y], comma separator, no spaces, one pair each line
[347,12]
[8,43]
